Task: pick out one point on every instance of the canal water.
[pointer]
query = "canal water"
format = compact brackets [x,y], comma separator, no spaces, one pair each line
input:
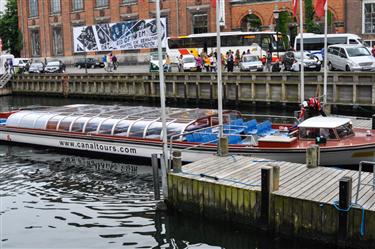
[53,200]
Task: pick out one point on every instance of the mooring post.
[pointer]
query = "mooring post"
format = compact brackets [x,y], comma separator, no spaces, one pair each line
[313,156]
[155,174]
[177,162]
[266,188]
[223,149]
[345,200]
[373,122]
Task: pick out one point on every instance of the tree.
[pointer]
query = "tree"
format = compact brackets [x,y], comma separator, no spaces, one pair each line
[9,32]
[311,25]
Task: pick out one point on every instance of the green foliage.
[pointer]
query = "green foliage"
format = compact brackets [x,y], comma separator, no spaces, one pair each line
[311,25]
[9,32]
[255,22]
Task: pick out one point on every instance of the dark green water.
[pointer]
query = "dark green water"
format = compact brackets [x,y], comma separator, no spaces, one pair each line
[51,200]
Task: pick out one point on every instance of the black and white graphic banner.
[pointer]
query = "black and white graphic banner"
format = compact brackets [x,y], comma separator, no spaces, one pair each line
[118,36]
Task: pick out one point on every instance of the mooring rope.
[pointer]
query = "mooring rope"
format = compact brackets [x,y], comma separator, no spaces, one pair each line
[362,226]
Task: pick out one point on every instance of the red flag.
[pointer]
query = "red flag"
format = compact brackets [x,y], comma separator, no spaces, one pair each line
[295,6]
[213,3]
[319,7]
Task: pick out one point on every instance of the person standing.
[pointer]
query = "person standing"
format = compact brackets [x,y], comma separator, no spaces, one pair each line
[269,61]
[168,63]
[180,63]
[114,62]
[11,67]
[230,61]
[373,50]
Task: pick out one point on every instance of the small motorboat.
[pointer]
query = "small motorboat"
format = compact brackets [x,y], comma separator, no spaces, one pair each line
[136,131]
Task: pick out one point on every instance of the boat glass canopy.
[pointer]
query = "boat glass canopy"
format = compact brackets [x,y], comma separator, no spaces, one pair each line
[121,121]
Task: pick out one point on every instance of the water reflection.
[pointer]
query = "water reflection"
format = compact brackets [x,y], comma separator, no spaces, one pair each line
[59,201]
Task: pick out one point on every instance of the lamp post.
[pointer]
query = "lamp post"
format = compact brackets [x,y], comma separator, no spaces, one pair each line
[84,33]
[276,13]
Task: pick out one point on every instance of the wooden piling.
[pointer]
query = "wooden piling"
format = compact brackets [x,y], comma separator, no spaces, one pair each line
[345,200]
[275,177]
[223,148]
[155,175]
[313,156]
[177,162]
[266,188]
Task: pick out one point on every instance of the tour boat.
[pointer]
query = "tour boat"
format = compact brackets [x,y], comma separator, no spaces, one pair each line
[136,131]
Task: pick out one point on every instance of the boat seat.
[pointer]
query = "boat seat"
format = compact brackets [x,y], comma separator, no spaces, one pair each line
[234,139]
[265,128]
[251,126]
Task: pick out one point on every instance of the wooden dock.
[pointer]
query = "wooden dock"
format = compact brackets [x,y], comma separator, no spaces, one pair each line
[302,203]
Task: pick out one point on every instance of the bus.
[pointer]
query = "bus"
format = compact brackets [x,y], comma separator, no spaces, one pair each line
[314,43]
[256,42]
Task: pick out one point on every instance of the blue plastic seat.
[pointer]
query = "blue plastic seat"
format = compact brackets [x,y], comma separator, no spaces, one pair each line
[234,139]
[251,126]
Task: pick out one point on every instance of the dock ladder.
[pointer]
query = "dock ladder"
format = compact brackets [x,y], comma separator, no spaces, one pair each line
[4,79]
[359,178]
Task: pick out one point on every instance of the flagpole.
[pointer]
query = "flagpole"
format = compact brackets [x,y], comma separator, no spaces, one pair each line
[219,73]
[302,93]
[325,52]
[164,161]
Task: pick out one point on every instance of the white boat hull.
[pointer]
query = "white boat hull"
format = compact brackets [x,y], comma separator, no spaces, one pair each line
[329,157]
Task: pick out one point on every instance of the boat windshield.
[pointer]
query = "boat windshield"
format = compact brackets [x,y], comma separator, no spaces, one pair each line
[312,133]
[345,130]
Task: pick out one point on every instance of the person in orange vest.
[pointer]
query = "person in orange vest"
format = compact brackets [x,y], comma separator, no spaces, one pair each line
[311,108]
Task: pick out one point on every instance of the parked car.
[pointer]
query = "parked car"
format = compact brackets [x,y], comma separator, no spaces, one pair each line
[21,62]
[36,67]
[350,58]
[154,63]
[250,63]
[292,62]
[56,66]
[189,63]
[90,63]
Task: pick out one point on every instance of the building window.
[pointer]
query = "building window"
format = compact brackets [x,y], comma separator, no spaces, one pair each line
[369,17]
[33,8]
[77,5]
[55,7]
[200,23]
[35,43]
[57,41]
[129,1]
[101,3]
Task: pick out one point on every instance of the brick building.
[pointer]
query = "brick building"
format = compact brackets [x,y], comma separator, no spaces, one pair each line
[47,25]
[364,23]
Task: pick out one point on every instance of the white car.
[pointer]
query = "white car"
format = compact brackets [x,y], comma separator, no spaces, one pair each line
[189,63]
[250,63]
[350,58]
[21,62]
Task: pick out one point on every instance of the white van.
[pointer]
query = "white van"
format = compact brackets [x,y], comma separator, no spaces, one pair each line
[314,43]
[350,58]
[3,59]
[21,62]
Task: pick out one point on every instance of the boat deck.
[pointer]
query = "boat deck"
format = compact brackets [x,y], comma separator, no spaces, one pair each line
[296,180]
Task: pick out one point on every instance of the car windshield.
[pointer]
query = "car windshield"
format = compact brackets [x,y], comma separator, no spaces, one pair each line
[306,56]
[189,59]
[53,63]
[37,65]
[250,58]
[154,57]
[359,51]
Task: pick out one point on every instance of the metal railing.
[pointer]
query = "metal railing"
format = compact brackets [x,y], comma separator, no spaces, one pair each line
[359,178]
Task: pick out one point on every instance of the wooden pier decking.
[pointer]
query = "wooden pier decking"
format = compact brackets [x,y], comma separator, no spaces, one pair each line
[229,188]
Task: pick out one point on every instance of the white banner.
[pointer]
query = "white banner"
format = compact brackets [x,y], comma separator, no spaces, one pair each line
[118,36]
